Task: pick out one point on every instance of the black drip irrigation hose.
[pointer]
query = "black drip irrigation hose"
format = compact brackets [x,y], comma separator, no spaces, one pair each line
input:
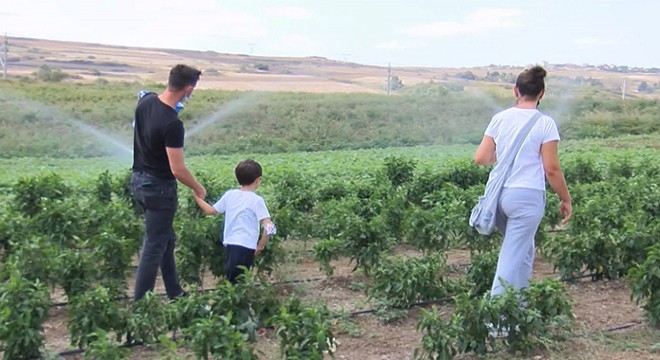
[81,351]
[418,304]
[204,291]
[622,327]
[454,267]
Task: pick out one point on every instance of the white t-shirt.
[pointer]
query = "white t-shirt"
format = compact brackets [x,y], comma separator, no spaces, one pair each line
[243,211]
[527,171]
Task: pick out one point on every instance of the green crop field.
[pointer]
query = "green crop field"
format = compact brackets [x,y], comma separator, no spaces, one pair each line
[371,196]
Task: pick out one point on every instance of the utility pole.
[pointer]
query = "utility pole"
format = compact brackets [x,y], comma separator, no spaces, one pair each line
[3,60]
[389,77]
[623,89]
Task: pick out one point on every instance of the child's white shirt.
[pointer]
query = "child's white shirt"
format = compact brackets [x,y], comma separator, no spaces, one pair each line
[243,211]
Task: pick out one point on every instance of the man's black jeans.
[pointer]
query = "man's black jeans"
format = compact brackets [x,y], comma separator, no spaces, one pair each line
[158,199]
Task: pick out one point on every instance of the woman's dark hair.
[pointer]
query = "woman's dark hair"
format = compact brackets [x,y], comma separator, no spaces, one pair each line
[530,82]
[247,171]
[182,76]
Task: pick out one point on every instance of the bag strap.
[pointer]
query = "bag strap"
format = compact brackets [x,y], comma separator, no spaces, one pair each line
[520,138]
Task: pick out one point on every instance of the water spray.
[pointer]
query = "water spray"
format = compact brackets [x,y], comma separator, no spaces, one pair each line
[224,111]
[122,148]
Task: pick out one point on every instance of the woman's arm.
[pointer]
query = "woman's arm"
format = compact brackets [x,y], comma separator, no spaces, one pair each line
[556,179]
[485,154]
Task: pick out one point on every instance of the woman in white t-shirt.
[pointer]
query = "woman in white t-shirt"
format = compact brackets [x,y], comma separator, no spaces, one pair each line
[522,201]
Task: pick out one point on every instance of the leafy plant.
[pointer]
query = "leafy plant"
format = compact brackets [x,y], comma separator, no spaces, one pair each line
[403,282]
[325,251]
[399,170]
[95,309]
[250,301]
[32,193]
[148,319]
[520,324]
[432,229]
[76,271]
[366,242]
[303,332]
[34,259]
[610,230]
[472,316]
[482,271]
[220,337]
[198,238]
[551,299]
[113,255]
[169,348]
[24,307]
[102,348]
[644,282]
[439,339]
[534,316]
[103,190]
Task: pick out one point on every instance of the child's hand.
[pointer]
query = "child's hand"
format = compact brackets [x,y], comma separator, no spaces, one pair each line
[260,248]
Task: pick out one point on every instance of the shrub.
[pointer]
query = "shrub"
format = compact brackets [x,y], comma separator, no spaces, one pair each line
[24,307]
[644,281]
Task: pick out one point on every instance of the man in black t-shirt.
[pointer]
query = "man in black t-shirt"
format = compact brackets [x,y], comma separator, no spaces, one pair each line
[157,165]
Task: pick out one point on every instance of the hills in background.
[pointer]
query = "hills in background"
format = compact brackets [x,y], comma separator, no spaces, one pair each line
[87,62]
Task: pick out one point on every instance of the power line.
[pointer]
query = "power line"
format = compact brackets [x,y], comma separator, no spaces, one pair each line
[623,89]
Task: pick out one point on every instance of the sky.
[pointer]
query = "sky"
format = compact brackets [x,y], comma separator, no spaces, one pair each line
[459,33]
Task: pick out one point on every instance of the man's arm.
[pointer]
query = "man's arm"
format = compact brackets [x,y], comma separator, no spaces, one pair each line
[181,172]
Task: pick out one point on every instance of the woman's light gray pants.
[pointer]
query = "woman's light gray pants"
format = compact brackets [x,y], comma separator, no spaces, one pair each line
[519,216]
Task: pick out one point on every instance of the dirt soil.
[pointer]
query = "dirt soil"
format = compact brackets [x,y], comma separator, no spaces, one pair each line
[599,307]
[87,62]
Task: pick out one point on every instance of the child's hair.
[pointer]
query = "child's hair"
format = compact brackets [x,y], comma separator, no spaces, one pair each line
[530,82]
[247,171]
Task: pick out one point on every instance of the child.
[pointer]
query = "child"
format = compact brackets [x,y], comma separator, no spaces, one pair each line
[243,210]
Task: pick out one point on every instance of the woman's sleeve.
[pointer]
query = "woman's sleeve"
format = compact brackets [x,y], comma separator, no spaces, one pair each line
[550,130]
[490,130]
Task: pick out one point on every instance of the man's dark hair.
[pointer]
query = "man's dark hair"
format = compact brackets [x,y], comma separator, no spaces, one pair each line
[247,171]
[530,82]
[182,76]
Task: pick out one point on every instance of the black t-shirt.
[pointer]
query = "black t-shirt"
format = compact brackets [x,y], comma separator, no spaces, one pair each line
[157,126]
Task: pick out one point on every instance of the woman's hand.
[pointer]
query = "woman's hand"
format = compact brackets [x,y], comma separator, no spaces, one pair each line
[565,210]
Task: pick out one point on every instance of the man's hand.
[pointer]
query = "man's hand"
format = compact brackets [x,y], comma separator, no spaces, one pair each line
[200,192]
